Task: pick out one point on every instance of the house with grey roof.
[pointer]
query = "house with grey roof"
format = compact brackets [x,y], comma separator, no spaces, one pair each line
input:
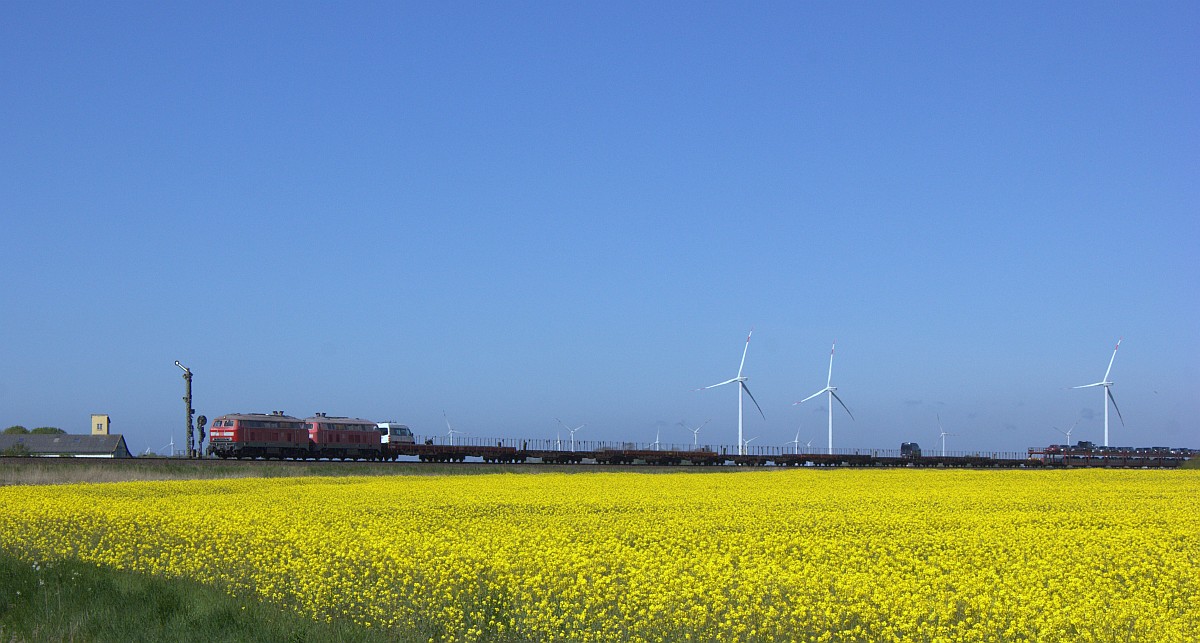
[65,445]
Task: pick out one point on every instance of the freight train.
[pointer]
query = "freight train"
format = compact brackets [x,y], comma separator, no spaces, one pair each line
[280,436]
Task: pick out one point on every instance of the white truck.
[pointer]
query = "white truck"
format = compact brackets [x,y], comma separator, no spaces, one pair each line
[394,437]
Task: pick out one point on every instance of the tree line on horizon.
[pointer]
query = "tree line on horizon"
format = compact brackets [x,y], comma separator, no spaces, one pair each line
[17,429]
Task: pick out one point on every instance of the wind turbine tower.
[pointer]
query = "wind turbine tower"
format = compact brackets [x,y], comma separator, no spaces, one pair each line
[1068,431]
[942,433]
[1108,396]
[695,432]
[571,431]
[741,381]
[450,432]
[832,391]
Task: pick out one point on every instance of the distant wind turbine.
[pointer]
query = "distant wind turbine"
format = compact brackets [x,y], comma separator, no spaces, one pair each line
[942,433]
[1068,431]
[741,380]
[450,432]
[695,431]
[1108,396]
[831,390]
[795,442]
[170,447]
[572,431]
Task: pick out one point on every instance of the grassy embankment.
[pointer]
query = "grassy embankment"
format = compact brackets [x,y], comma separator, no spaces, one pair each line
[39,471]
[74,601]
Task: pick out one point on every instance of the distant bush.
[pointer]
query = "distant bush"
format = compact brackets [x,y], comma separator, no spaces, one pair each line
[15,451]
[16,429]
[48,430]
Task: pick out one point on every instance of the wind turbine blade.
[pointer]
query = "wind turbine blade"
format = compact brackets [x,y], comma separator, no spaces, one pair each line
[719,384]
[744,352]
[939,417]
[835,396]
[810,397]
[1089,385]
[829,380]
[1110,360]
[1114,401]
[747,390]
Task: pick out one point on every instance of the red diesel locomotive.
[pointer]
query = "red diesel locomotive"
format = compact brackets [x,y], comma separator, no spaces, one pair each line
[280,436]
[343,438]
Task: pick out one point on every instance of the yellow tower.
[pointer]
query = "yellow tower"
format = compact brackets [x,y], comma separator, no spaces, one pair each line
[99,424]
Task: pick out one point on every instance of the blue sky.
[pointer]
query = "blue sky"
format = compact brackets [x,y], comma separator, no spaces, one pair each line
[514,212]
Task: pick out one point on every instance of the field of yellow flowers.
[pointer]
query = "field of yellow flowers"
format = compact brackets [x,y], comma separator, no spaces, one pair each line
[789,555]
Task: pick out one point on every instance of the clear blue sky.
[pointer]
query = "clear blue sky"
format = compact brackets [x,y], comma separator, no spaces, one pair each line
[513,212]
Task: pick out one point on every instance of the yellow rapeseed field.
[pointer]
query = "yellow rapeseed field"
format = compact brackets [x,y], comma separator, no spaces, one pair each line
[784,555]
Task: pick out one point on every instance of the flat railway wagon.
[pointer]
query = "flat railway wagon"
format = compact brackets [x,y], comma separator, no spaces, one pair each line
[430,452]
[1087,454]
[553,452]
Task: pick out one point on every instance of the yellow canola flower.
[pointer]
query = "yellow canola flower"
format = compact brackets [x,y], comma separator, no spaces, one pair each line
[769,555]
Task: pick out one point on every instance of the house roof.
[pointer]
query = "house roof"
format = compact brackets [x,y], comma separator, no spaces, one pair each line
[68,444]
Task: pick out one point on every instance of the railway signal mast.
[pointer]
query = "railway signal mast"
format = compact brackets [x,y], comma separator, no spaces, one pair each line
[187,401]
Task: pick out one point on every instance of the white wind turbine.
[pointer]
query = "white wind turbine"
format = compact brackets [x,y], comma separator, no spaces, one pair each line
[741,380]
[1108,396]
[170,446]
[1068,431]
[695,431]
[450,432]
[747,443]
[796,442]
[831,390]
[572,431]
[657,432]
[942,434]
